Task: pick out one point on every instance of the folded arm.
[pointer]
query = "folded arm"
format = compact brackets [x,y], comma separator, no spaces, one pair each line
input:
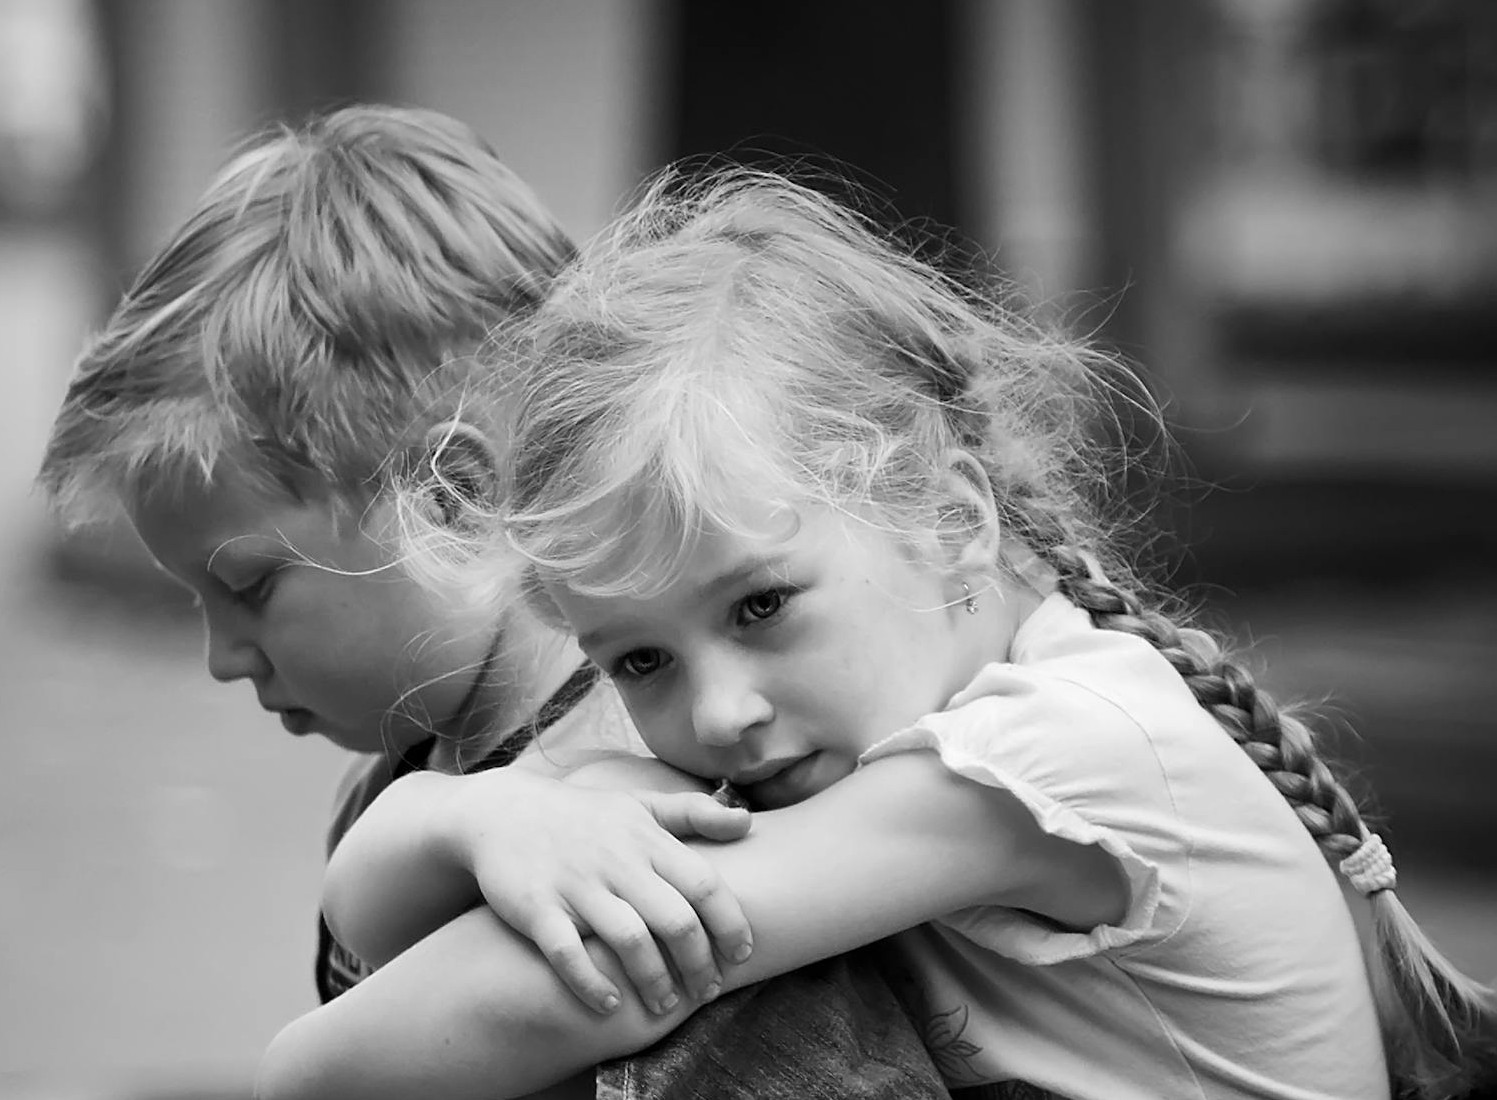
[557,861]
[409,864]
[475,1010]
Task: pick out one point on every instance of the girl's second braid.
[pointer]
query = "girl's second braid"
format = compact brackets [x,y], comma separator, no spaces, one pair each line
[1280,744]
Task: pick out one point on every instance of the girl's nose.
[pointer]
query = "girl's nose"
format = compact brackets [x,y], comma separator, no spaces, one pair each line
[725,705]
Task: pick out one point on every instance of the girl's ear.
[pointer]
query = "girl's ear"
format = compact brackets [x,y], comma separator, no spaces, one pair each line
[973,515]
[459,469]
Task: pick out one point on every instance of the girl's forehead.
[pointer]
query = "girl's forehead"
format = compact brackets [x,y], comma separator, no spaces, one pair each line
[756,539]
[714,565]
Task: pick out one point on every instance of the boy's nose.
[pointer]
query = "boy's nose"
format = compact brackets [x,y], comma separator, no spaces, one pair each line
[724,707]
[232,655]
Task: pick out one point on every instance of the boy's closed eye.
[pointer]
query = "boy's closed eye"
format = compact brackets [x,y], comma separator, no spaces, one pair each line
[256,592]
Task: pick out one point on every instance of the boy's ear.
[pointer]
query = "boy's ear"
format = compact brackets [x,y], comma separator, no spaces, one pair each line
[972,515]
[460,468]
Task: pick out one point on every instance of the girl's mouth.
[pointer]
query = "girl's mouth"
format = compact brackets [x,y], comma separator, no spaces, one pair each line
[791,784]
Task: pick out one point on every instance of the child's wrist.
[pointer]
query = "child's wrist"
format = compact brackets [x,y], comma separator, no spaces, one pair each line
[460,819]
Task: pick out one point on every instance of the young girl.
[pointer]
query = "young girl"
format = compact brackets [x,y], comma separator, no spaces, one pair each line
[836,529]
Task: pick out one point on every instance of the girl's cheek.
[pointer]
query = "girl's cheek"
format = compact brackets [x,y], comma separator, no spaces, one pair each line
[669,739]
[650,726]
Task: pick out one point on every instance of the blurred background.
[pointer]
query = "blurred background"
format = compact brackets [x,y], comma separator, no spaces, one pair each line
[1285,209]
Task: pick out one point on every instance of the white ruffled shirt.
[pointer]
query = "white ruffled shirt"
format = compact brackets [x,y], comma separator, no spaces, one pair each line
[1236,970]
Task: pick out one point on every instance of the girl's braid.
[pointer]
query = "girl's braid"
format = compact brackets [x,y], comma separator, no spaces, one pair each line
[1441,1027]
[1280,744]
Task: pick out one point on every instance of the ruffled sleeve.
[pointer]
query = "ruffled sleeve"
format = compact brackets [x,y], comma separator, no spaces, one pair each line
[1088,773]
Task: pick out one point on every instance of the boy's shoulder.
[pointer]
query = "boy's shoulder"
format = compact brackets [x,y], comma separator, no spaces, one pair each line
[597,726]
[362,781]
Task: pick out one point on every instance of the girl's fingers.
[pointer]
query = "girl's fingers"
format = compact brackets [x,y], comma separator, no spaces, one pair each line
[713,904]
[619,924]
[555,934]
[688,814]
[679,932]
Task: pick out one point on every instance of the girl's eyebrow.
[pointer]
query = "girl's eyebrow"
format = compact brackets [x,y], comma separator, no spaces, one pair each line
[749,569]
[737,575]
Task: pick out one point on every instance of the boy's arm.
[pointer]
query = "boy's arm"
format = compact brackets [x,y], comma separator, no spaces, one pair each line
[899,842]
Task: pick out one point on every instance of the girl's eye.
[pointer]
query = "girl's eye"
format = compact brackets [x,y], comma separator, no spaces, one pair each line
[759,606]
[639,663]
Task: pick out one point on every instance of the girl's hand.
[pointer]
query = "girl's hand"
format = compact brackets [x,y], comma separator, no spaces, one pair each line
[559,860]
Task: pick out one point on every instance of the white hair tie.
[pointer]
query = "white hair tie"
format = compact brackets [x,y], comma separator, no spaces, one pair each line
[1370,868]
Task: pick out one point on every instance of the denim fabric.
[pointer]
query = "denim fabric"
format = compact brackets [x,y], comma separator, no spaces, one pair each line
[830,1031]
[1005,1090]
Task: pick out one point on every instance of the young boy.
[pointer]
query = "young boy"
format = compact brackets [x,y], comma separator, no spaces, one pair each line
[272,369]
[299,344]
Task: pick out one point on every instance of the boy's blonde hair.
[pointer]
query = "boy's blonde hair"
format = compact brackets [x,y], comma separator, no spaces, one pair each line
[743,339]
[309,317]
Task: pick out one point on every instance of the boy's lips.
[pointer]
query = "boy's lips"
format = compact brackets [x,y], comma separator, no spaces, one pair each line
[296,721]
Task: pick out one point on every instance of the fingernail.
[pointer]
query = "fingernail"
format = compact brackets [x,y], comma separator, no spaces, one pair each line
[711,992]
[610,1002]
[666,1003]
[742,952]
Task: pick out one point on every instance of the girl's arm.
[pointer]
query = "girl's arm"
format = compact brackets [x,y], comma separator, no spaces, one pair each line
[472,1011]
[475,1010]
[560,860]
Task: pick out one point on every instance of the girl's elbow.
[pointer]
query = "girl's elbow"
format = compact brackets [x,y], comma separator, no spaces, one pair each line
[288,1072]
[340,900]
[350,933]
[309,1061]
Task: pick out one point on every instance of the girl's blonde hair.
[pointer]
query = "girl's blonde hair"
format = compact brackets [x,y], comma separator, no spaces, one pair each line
[744,337]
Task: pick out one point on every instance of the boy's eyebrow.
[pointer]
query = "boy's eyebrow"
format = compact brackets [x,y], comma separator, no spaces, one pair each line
[251,546]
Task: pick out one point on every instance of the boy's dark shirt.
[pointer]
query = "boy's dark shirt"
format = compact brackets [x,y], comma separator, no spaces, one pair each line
[336,968]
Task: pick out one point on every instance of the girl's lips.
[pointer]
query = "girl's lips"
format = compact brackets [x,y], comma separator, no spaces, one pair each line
[786,786]
[763,771]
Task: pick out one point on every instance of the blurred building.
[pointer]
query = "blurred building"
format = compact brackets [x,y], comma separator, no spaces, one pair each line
[1286,210]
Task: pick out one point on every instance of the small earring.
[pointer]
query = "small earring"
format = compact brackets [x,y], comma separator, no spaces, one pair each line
[969,601]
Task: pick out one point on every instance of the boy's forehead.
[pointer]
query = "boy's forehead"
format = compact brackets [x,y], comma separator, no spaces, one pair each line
[231,516]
